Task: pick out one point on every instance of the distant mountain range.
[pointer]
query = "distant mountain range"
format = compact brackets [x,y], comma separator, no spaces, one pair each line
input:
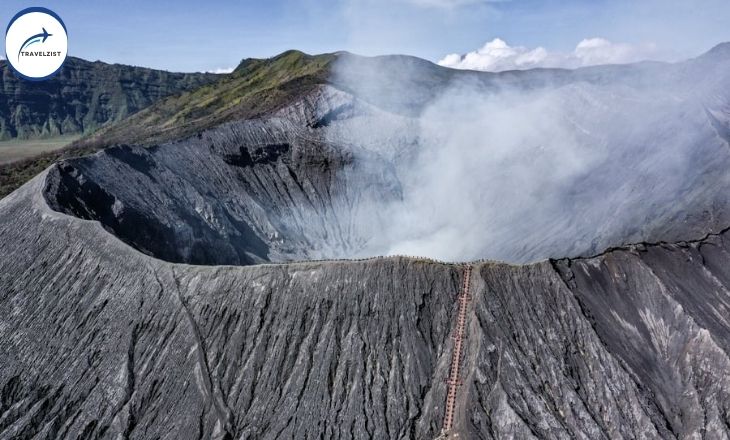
[83,97]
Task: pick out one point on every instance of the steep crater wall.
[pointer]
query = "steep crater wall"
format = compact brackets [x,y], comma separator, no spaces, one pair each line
[243,193]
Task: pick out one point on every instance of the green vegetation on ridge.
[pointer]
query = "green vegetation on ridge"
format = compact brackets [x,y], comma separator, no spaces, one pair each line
[255,88]
[83,97]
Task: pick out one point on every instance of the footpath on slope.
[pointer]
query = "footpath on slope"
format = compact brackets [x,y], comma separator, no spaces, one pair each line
[454,380]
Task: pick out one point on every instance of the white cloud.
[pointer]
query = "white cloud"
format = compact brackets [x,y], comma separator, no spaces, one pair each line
[221,70]
[497,55]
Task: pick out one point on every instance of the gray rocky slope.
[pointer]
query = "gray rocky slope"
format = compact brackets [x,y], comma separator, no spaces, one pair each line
[108,331]
[102,341]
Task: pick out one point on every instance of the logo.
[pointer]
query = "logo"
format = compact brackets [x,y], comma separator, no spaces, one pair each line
[36,43]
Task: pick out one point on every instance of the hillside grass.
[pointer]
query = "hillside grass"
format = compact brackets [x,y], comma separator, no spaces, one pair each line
[257,87]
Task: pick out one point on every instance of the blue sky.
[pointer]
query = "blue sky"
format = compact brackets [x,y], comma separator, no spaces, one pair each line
[204,35]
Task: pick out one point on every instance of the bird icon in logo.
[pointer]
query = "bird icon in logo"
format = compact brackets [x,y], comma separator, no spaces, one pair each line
[38,38]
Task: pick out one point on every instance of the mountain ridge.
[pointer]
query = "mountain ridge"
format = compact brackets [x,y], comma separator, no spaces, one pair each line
[83,97]
[261,97]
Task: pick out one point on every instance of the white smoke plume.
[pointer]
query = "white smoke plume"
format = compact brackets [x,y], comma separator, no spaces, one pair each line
[524,168]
